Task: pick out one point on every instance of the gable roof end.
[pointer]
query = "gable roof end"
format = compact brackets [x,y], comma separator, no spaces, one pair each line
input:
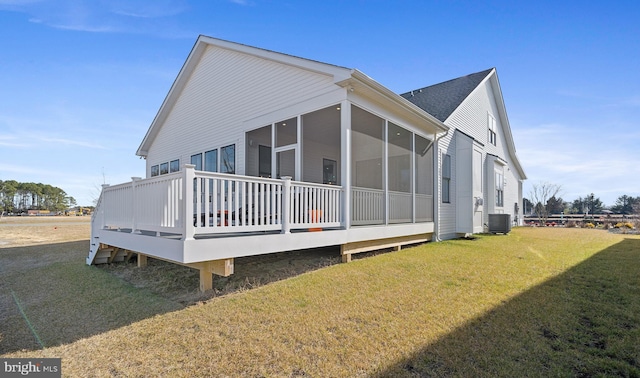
[338,73]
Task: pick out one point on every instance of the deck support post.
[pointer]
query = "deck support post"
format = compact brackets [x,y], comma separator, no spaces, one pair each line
[207,269]
[206,280]
[142,260]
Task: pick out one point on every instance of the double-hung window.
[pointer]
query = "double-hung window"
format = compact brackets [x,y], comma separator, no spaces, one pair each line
[491,126]
[499,189]
[446,178]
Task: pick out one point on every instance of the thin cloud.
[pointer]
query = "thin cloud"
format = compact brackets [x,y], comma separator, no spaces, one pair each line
[13,142]
[96,17]
[71,142]
[242,2]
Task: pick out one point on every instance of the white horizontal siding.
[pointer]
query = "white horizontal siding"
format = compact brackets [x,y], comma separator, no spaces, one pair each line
[471,119]
[447,211]
[225,89]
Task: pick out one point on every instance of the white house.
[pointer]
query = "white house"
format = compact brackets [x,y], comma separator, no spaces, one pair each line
[480,172]
[256,152]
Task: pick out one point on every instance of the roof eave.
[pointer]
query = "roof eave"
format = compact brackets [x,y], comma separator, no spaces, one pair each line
[360,79]
[503,113]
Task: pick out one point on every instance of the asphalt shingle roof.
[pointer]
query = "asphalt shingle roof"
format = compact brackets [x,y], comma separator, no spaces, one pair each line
[440,100]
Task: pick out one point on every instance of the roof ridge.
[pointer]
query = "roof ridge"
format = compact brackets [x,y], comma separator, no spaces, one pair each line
[485,72]
[442,99]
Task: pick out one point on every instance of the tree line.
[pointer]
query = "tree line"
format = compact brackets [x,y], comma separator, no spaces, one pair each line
[18,197]
[544,200]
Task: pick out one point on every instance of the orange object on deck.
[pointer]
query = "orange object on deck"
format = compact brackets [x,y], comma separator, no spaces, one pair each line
[315,216]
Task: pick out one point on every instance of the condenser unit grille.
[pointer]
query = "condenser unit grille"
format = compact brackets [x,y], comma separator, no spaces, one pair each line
[499,223]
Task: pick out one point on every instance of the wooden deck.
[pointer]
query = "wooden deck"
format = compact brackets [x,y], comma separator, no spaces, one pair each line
[204,220]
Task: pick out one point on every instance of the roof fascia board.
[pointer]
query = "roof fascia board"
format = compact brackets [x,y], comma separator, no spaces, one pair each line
[339,73]
[178,84]
[505,122]
[493,70]
[359,80]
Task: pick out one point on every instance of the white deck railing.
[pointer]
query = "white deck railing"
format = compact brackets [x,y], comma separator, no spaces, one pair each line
[218,203]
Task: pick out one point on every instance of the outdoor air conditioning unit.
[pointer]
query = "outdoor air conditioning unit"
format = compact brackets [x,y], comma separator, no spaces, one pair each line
[499,223]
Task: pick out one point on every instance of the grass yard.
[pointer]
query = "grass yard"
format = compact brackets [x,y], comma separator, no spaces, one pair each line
[538,302]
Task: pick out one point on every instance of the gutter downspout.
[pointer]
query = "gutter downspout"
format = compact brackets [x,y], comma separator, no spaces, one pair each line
[436,205]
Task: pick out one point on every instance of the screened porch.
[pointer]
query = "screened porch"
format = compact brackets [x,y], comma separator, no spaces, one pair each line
[387,175]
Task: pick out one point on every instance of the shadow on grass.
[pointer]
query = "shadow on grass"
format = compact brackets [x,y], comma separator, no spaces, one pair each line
[48,297]
[584,322]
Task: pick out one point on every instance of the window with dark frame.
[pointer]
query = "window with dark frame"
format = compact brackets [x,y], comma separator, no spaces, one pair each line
[197,161]
[264,161]
[211,161]
[174,166]
[228,159]
[491,126]
[499,189]
[164,168]
[446,178]
[329,172]
[155,170]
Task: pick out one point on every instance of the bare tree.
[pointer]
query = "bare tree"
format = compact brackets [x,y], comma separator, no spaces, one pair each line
[540,195]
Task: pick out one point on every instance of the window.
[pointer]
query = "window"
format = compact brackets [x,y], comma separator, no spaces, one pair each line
[174,166]
[329,171]
[155,170]
[197,161]
[499,189]
[446,178]
[264,161]
[228,159]
[211,161]
[491,125]
[164,168]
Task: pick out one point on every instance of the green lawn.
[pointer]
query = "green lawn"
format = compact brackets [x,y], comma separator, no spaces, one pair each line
[538,302]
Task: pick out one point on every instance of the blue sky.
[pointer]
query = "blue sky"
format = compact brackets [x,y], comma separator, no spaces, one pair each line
[81,81]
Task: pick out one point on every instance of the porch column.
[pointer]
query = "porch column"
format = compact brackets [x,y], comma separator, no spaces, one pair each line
[134,207]
[345,161]
[187,189]
[286,204]
[102,207]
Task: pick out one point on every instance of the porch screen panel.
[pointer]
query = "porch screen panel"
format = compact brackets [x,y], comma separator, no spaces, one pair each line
[258,152]
[287,132]
[399,175]
[321,143]
[424,179]
[367,168]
